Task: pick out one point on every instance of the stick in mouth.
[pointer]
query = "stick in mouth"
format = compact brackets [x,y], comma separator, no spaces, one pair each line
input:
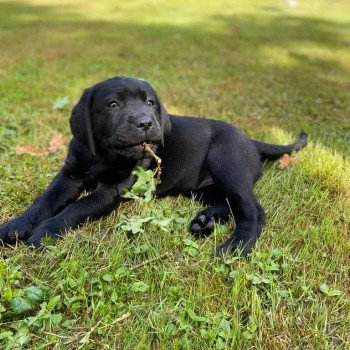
[148,149]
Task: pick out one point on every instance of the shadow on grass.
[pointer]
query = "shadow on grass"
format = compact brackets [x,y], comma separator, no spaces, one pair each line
[257,71]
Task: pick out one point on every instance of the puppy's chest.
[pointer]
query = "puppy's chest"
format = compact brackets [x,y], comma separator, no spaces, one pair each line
[110,173]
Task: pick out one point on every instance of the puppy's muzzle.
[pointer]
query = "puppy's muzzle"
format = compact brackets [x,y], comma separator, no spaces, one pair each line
[143,123]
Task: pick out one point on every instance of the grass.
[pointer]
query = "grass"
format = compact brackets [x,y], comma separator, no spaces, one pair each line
[269,69]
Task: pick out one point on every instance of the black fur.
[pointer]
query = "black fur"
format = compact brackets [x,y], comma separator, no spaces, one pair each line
[210,159]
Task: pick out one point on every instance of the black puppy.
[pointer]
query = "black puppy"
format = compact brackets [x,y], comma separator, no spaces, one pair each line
[207,158]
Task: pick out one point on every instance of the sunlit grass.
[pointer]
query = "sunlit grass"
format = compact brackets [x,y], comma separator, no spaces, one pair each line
[269,69]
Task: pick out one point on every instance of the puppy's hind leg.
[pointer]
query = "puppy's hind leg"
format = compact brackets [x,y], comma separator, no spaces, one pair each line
[233,176]
[217,212]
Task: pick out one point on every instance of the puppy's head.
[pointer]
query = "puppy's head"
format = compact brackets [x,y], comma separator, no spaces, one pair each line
[113,118]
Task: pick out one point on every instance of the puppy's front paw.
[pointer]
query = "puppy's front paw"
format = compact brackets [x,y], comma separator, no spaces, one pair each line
[202,225]
[4,234]
[45,229]
[17,228]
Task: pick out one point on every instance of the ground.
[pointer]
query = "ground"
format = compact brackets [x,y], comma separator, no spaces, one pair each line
[269,68]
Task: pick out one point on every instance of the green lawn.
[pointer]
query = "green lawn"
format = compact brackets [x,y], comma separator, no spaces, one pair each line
[271,70]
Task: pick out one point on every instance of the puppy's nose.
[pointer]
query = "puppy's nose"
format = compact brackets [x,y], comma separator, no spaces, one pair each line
[144,123]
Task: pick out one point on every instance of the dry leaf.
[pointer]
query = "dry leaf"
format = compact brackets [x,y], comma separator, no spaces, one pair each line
[56,142]
[24,148]
[293,160]
[286,160]
[235,28]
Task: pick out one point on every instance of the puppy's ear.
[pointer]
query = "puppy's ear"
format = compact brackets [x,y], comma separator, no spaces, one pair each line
[80,121]
[164,120]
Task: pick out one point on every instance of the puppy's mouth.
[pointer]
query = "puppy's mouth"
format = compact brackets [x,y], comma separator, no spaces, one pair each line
[134,150]
[140,145]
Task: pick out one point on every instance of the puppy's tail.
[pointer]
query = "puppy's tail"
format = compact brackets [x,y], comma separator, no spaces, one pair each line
[271,152]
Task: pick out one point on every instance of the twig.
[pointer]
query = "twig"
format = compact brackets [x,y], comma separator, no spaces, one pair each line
[86,337]
[121,318]
[160,257]
[158,160]
[58,336]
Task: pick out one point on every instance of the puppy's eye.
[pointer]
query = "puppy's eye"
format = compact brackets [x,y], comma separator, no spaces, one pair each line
[150,103]
[113,104]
